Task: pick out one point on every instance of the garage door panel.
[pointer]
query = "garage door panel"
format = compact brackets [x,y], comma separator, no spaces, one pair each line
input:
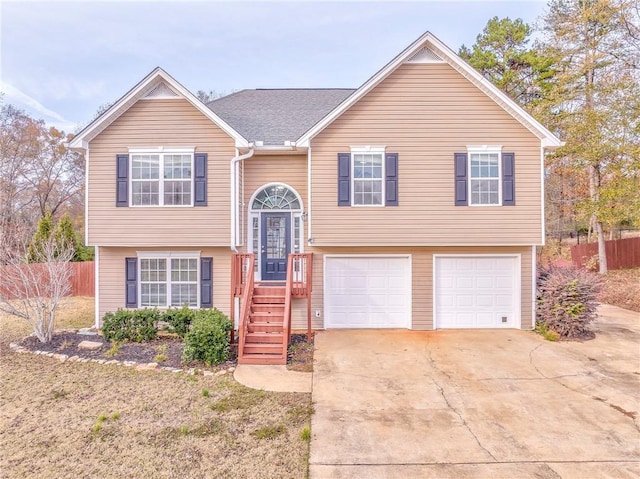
[367,292]
[485,320]
[504,301]
[476,292]
[464,301]
[484,300]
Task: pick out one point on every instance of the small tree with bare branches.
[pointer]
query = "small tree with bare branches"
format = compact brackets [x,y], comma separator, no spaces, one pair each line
[31,286]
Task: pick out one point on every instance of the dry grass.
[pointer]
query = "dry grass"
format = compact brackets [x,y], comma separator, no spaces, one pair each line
[90,420]
[622,288]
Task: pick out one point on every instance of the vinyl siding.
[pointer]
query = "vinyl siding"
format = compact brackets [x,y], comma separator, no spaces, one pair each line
[426,113]
[422,281]
[261,170]
[112,275]
[154,123]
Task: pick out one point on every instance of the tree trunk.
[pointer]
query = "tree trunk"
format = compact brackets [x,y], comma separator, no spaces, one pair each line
[594,193]
[602,253]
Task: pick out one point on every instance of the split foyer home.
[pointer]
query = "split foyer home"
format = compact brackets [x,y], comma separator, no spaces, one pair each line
[414,201]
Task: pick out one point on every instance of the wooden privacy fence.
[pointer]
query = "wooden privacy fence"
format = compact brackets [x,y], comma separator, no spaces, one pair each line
[82,279]
[622,253]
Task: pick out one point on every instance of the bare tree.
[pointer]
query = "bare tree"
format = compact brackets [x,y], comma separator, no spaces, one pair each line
[38,173]
[32,291]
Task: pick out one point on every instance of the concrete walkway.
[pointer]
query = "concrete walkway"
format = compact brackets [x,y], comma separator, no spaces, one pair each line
[459,404]
[273,378]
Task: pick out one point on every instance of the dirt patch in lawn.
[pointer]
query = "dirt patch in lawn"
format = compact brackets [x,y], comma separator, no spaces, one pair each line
[300,353]
[622,288]
[95,420]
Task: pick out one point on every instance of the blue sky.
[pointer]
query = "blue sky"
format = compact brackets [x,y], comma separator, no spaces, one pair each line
[61,60]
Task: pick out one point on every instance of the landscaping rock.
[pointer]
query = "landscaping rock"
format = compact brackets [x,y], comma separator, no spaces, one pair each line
[61,357]
[146,366]
[89,345]
[87,332]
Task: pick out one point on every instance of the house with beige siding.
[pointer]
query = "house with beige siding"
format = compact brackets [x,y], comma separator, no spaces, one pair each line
[414,201]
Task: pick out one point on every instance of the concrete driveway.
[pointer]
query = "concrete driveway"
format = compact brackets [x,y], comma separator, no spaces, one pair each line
[477,404]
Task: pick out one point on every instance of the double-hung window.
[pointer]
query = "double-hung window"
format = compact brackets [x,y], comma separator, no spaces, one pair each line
[161,178]
[169,280]
[368,176]
[484,177]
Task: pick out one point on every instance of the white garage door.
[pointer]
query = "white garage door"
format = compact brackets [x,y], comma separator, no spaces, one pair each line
[367,292]
[477,292]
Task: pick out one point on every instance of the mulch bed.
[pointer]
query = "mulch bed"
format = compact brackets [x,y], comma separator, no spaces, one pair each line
[66,342]
[300,356]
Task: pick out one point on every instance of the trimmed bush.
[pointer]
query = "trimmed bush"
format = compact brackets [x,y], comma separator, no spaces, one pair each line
[131,325]
[567,301]
[179,319]
[208,338]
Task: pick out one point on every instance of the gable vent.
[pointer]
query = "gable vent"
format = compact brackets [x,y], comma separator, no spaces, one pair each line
[424,55]
[161,91]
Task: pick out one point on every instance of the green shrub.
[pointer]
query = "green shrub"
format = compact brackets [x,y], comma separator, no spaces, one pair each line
[180,319]
[131,325]
[567,301]
[208,339]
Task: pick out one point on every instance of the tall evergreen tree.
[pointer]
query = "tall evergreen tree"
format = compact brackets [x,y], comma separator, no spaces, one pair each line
[503,55]
[44,231]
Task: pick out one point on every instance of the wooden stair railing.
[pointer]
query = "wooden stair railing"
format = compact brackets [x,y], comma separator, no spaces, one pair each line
[264,331]
[301,270]
[247,294]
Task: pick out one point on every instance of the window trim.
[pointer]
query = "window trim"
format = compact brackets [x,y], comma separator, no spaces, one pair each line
[161,151]
[356,150]
[169,255]
[484,149]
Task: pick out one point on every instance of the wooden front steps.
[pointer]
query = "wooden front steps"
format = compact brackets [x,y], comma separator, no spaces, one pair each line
[264,342]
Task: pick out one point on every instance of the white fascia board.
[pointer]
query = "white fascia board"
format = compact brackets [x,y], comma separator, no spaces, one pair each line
[450,57]
[137,92]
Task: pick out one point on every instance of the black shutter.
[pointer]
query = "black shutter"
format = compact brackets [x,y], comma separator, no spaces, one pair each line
[122,180]
[508,179]
[344,179]
[200,179]
[206,282]
[461,184]
[391,174]
[131,282]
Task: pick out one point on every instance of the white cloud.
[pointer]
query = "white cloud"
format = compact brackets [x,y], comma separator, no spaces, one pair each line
[15,96]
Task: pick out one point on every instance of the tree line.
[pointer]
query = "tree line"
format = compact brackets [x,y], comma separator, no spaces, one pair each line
[577,72]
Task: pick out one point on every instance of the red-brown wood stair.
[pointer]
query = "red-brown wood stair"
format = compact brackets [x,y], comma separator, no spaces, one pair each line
[264,341]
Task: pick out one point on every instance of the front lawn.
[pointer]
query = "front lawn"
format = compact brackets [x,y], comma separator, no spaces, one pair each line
[94,420]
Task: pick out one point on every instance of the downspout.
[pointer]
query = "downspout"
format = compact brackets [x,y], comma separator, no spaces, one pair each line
[234,194]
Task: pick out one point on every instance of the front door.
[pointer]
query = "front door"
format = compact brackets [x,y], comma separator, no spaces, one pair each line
[276,245]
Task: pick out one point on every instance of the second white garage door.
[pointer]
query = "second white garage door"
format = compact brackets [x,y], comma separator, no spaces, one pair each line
[367,291]
[477,292]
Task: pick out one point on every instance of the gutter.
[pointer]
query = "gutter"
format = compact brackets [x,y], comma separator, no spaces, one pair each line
[234,194]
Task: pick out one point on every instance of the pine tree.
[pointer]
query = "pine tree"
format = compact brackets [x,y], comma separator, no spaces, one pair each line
[501,53]
[42,235]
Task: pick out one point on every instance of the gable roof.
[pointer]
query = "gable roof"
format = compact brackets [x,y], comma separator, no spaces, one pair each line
[157,84]
[277,115]
[429,48]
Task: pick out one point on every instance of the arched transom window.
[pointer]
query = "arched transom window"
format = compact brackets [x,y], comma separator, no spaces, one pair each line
[276,197]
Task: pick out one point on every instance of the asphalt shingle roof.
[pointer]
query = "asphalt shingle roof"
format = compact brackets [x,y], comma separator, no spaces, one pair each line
[275,116]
